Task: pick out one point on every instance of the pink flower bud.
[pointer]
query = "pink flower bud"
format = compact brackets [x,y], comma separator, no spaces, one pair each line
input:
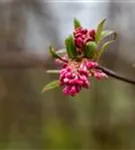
[68,75]
[77,35]
[74,78]
[84,31]
[91,64]
[92,33]
[66,80]
[71,81]
[78,88]
[83,70]
[86,40]
[73,89]
[66,90]
[99,74]
[79,42]
[86,84]
[82,36]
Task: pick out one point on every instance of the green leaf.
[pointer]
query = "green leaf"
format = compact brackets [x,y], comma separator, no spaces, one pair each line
[99,30]
[61,51]
[53,52]
[77,23]
[50,86]
[104,46]
[70,47]
[107,33]
[53,71]
[90,49]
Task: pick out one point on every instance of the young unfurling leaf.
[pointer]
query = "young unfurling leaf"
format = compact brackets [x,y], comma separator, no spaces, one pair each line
[70,47]
[107,33]
[51,85]
[90,49]
[61,51]
[104,46]
[77,24]
[53,53]
[99,30]
[53,71]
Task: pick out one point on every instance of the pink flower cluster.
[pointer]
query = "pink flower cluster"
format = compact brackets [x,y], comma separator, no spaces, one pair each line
[82,36]
[74,76]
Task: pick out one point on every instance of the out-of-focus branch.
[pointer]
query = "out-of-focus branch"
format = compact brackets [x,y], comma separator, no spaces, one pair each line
[26,60]
[22,59]
[115,75]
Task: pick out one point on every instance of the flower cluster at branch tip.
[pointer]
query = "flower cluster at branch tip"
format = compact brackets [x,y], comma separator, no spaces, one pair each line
[82,36]
[79,58]
[74,76]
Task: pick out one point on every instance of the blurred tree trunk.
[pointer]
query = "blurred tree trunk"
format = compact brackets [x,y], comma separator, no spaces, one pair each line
[20,107]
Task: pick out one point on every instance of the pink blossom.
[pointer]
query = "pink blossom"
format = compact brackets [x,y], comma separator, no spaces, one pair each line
[74,76]
[79,42]
[92,33]
[91,64]
[99,74]
[63,61]
[73,80]
[82,36]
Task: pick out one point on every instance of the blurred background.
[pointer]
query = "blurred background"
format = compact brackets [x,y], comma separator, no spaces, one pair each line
[100,118]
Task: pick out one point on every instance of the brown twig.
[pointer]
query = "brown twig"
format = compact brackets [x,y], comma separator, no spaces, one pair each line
[116,76]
